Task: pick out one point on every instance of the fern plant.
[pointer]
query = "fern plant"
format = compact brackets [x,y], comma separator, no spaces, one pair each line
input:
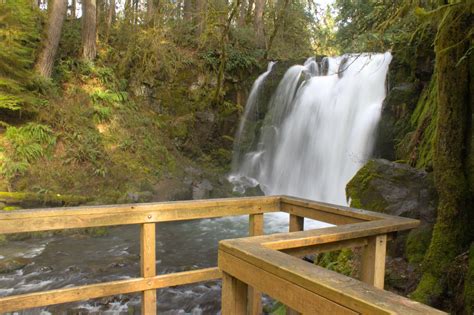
[23,145]
[19,38]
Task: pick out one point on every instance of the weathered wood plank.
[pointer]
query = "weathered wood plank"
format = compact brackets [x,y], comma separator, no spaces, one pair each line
[296,224]
[337,211]
[373,261]
[80,293]
[324,248]
[93,216]
[255,297]
[234,296]
[320,215]
[284,291]
[148,265]
[283,241]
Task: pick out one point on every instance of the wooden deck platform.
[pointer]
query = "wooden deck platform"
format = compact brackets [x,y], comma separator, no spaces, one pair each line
[247,266]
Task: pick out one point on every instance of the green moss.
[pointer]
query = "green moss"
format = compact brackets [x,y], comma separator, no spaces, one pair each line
[36,199]
[469,284]
[417,243]
[11,208]
[279,309]
[417,146]
[360,192]
[428,287]
[97,231]
[450,231]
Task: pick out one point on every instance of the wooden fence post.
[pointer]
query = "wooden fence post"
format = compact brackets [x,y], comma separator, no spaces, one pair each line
[296,224]
[255,297]
[148,265]
[373,261]
[234,296]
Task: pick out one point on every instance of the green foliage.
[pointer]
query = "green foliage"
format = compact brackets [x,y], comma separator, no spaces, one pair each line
[19,37]
[375,25]
[25,144]
[109,97]
[339,261]
[295,36]
[150,55]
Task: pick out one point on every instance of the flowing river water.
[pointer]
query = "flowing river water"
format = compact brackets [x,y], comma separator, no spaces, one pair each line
[65,260]
[317,131]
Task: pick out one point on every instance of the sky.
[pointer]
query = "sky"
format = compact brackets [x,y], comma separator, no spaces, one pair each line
[324,3]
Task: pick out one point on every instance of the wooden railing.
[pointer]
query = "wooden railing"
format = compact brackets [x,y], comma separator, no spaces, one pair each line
[250,265]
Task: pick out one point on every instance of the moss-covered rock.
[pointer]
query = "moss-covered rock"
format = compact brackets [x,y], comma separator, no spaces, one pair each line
[29,199]
[12,264]
[395,189]
[401,190]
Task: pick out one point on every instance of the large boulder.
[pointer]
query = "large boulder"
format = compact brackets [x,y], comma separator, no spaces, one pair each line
[401,190]
[395,189]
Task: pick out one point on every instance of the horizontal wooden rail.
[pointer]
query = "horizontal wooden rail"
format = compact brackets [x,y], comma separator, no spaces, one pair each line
[45,298]
[95,216]
[326,212]
[284,241]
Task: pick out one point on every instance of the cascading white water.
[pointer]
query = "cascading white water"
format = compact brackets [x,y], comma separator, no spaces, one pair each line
[250,114]
[318,131]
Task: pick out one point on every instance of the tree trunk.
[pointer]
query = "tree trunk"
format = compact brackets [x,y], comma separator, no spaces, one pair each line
[242,13]
[277,25]
[89,29]
[110,18]
[55,24]
[201,8]
[258,23]
[73,10]
[128,11]
[451,229]
[135,12]
[219,93]
[187,10]
[150,11]
[249,11]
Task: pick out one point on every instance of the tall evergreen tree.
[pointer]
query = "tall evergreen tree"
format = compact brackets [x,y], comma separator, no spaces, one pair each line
[258,23]
[89,29]
[46,58]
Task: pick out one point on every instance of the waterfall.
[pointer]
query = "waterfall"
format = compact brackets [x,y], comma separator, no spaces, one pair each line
[318,130]
[246,131]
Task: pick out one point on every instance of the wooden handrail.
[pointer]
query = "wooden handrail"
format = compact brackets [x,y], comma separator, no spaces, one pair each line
[359,228]
[94,216]
[263,263]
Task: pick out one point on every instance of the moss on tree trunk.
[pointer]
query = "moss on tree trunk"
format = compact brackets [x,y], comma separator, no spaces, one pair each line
[451,229]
